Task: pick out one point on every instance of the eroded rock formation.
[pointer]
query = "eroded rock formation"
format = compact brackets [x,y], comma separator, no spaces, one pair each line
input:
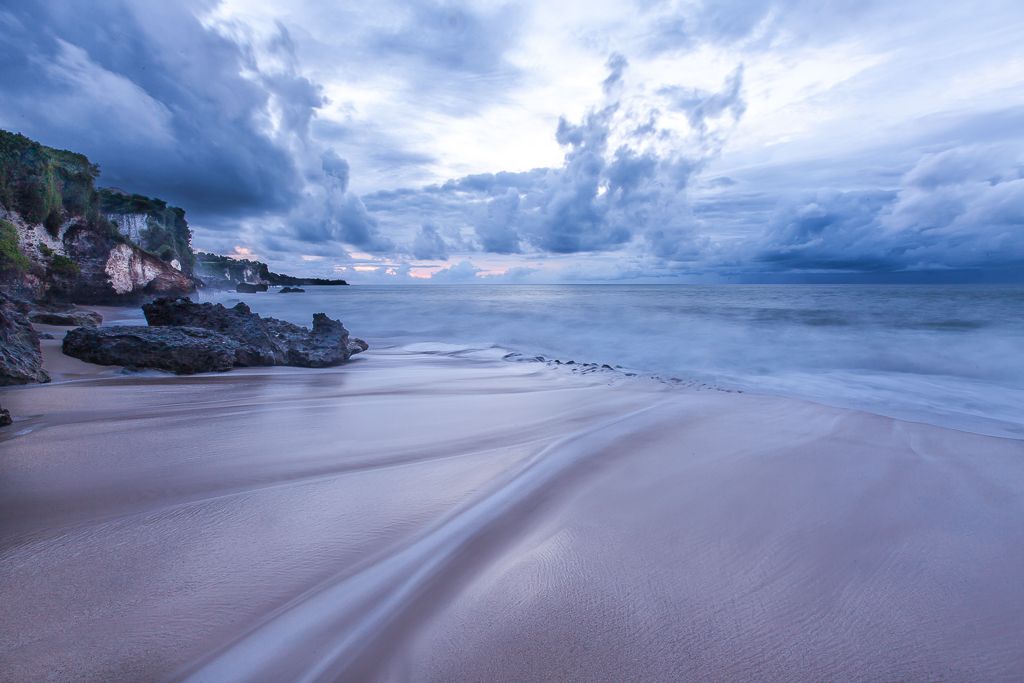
[21,360]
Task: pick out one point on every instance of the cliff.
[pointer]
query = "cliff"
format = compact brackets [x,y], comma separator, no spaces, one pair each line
[62,239]
[222,272]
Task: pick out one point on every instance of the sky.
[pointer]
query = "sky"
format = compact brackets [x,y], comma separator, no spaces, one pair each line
[577,141]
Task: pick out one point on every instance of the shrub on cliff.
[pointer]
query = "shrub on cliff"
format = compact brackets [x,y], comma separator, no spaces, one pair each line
[62,265]
[45,184]
[11,258]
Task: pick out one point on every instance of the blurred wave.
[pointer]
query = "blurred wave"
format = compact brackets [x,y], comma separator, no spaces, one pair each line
[946,354]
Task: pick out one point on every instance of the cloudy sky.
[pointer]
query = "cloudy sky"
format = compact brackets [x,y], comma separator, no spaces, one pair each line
[737,140]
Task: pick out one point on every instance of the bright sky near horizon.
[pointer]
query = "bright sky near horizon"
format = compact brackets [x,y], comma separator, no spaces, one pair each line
[748,140]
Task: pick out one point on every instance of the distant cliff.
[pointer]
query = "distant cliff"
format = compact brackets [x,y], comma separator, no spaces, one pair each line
[222,272]
[62,239]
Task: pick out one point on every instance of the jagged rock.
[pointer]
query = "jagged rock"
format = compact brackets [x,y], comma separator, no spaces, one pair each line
[70,317]
[21,360]
[182,350]
[291,290]
[5,417]
[261,341]
[249,288]
[257,345]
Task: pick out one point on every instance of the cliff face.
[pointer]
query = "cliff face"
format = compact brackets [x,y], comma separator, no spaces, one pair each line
[222,272]
[61,239]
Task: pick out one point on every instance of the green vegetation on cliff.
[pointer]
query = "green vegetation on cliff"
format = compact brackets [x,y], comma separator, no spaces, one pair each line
[11,258]
[43,184]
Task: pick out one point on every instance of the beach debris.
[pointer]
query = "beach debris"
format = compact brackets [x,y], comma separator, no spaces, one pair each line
[182,350]
[21,360]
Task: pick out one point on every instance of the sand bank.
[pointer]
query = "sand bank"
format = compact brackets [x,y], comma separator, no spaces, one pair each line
[417,516]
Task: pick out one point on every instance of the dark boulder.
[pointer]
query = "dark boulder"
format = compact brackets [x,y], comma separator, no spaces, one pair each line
[261,341]
[5,417]
[75,317]
[249,288]
[182,350]
[256,343]
[291,290]
[21,360]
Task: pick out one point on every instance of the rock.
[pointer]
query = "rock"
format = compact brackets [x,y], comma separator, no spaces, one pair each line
[76,317]
[46,335]
[249,288]
[291,290]
[327,345]
[257,344]
[182,350]
[5,417]
[115,272]
[261,341]
[21,360]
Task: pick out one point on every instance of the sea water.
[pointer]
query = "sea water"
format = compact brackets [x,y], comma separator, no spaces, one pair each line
[945,354]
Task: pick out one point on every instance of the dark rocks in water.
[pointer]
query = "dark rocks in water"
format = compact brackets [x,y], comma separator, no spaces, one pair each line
[182,350]
[291,290]
[250,288]
[5,417]
[21,360]
[261,341]
[73,317]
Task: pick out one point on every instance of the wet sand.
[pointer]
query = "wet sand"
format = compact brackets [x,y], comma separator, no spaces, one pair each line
[416,516]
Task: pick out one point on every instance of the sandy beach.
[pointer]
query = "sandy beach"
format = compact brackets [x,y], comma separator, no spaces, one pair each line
[432,516]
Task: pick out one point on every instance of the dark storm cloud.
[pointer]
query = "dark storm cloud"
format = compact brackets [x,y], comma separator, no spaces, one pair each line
[157,99]
[962,208]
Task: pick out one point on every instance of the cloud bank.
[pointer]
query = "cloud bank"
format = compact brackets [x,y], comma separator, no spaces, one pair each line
[450,141]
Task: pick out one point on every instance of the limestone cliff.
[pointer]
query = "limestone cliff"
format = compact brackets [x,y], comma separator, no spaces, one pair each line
[63,240]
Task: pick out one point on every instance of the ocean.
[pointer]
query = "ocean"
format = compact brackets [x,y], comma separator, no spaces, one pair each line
[951,355]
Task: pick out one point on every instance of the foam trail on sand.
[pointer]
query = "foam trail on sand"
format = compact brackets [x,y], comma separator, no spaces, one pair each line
[321,634]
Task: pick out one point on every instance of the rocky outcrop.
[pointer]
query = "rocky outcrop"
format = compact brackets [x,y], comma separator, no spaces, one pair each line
[21,360]
[64,315]
[223,272]
[182,350]
[116,272]
[291,290]
[5,417]
[261,341]
[250,288]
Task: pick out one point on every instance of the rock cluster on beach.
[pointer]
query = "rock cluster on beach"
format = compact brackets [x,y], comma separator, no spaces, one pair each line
[187,337]
[21,360]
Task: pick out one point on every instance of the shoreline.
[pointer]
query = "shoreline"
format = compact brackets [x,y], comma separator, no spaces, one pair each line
[553,524]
